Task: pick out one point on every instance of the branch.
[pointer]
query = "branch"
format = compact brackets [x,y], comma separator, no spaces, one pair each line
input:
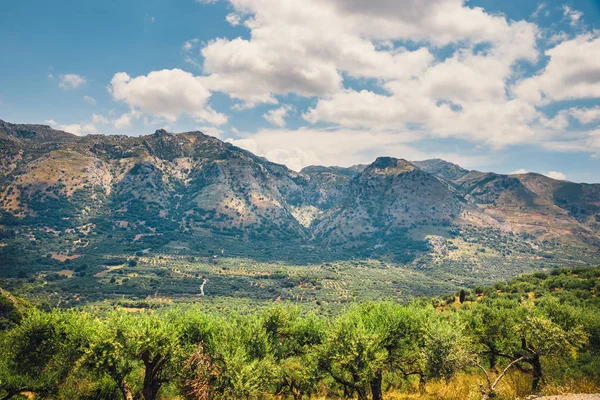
[487,376]
[342,381]
[492,386]
[506,370]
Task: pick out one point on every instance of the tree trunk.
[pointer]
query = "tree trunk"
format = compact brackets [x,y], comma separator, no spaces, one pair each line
[493,359]
[376,387]
[421,383]
[125,390]
[152,380]
[537,374]
[151,386]
[296,392]
[362,395]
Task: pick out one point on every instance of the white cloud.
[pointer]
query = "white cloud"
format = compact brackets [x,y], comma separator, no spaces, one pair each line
[343,147]
[556,175]
[579,141]
[166,94]
[573,15]
[76,129]
[573,72]
[123,122]
[71,81]
[558,37]
[277,116]
[189,44]
[233,19]
[585,115]
[211,130]
[303,47]
[98,119]
[255,71]
[496,122]
[89,100]
[518,171]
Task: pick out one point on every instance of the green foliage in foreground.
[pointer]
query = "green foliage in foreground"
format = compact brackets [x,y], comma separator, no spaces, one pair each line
[546,326]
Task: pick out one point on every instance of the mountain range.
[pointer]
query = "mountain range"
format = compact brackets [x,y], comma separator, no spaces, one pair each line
[190,188]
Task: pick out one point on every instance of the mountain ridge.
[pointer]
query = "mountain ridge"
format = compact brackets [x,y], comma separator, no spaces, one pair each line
[162,187]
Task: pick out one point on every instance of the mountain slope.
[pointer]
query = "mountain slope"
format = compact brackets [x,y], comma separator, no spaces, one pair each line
[64,193]
[393,194]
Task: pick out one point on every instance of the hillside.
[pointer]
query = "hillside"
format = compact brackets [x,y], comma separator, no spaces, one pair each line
[71,204]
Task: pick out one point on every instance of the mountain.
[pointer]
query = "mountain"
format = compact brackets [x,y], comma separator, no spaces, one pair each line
[529,203]
[62,193]
[394,194]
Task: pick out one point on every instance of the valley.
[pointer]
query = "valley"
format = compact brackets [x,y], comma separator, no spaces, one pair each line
[145,219]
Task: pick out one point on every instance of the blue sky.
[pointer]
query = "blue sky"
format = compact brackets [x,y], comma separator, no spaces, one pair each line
[492,85]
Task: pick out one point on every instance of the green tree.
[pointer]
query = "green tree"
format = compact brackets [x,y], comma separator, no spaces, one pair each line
[39,354]
[371,340]
[540,337]
[448,348]
[491,323]
[108,352]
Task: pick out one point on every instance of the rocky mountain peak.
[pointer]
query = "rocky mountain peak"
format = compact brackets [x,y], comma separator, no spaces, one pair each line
[161,132]
[390,166]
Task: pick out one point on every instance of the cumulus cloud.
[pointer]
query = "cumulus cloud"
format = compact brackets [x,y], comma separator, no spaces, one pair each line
[277,116]
[556,175]
[309,48]
[305,47]
[166,94]
[497,123]
[71,81]
[573,72]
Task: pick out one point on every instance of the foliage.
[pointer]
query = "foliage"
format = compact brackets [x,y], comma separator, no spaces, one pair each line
[550,339]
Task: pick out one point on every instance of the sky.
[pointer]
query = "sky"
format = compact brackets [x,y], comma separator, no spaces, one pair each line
[509,86]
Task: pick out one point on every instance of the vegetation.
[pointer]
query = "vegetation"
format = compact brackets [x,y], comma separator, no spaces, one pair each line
[536,333]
